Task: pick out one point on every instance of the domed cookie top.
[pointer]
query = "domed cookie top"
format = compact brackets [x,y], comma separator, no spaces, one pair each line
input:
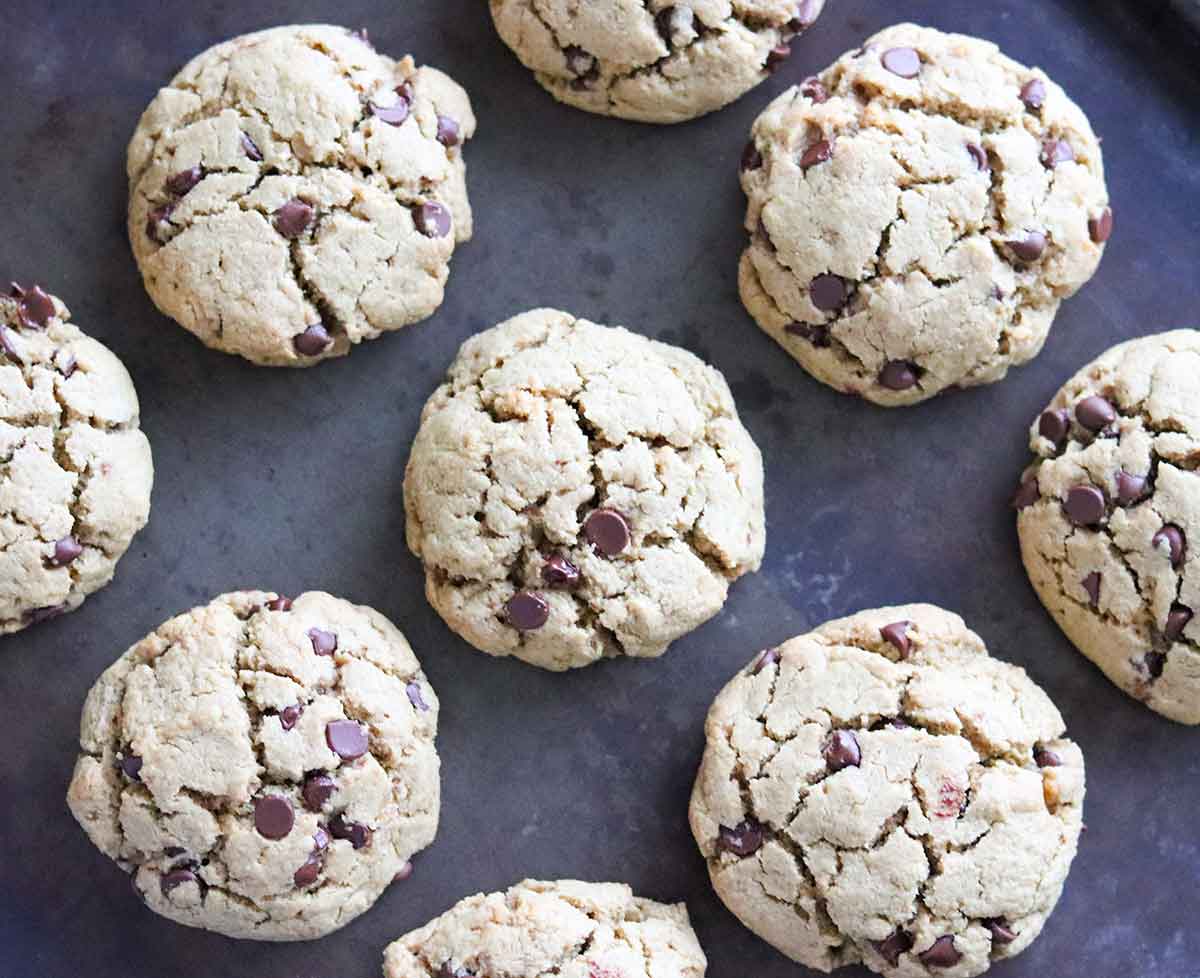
[577,491]
[881,790]
[263,767]
[567,928]
[75,484]
[293,192]
[652,60]
[917,213]
[1109,517]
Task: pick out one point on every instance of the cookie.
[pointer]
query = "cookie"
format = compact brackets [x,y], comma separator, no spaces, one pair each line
[1109,517]
[577,491]
[294,192]
[75,482]
[882,791]
[652,60]
[917,213]
[262,767]
[566,928]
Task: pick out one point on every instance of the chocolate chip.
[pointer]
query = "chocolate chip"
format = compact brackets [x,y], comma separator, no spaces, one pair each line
[1055,151]
[557,571]
[1033,94]
[157,220]
[1153,663]
[172,851]
[448,132]
[527,611]
[35,308]
[1044,757]
[250,148]
[415,698]
[176,877]
[894,945]
[280,604]
[904,62]
[742,840]
[323,642]
[898,375]
[1055,425]
[1130,488]
[1028,248]
[1100,228]
[1091,584]
[768,657]
[316,790]
[751,157]
[404,872]
[1176,543]
[1002,933]
[432,219]
[289,716]
[816,333]
[777,56]
[841,750]
[607,531]
[579,62]
[131,767]
[813,90]
[897,634]
[1177,620]
[675,23]
[273,816]
[1084,505]
[806,15]
[942,954]
[819,152]
[293,218]
[312,341]
[1027,494]
[1095,413]
[307,874]
[827,292]
[346,738]
[394,114]
[182,182]
[980,157]
[65,551]
[358,834]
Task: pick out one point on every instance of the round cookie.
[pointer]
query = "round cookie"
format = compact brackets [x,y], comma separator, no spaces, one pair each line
[882,791]
[262,767]
[293,192]
[917,213]
[652,60]
[577,491]
[75,483]
[567,928]
[1109,517]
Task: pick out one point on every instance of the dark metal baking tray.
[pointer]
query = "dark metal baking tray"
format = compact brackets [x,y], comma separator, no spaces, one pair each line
[291,480]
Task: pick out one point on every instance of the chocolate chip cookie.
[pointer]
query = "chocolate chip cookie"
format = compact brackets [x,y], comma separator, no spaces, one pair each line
[577,491]
[1109,517]
[294,192]
[568,928]
[917,213]
[883,791]
[76,474]
[652,60]
[262,767]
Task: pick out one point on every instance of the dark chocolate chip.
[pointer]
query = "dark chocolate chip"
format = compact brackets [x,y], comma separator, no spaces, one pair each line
[1177,620]
[250,148]
[819,152]
[898,375]
[1100,228]
[293,218]
[1043,757]
[182,182]
[1033,94]
[176,877]
[526,611]
[816,333]
[172,851]
[579,62]
[1055,151]
[1055,425]
[1095,413]
[827,292]
[358,835]
[979,156]
[607,531]
[1084,505]
[415,698]
[941,954]
[751,157]
[323,642]
[65,551]
[312,341]
[1130,488]
[813,90]
[806,15]
[1153,663]
[841,750]
[557,571]
[394,114]
[742,840]
[317,789]
[280,604]
[131,767]
[156,221]
[1091,584]
[1028,248]
[894,945]
[273,816]
[432,219]
[35,308]
[307,874]
[674,24]
[1002,933]
[897,634]
[768,657]
[289,716]
[346,738]
[904,62]
[448,132]
[777,56]
[1171,536]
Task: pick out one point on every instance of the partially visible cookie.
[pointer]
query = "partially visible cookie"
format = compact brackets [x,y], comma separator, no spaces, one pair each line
[294,192]
[565,928]
[577,491]
[1109,517]
[882,791]
[262,767]
[652,60]
[76,473]
[917,213]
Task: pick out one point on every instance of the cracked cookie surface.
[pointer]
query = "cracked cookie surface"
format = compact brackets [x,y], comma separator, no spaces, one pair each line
[565,928]
[262,767]
[1109,517]
[652,60]
[76,471]
[917,213]
[577,491]
[882,791]
[294,192]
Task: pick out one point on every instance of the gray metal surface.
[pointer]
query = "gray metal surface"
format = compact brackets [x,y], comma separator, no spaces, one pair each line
[291,480]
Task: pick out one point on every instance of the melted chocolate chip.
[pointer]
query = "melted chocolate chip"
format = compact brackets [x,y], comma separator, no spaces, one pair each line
[293,218]
[1095,413]
[1055,151]
[1171,537]
[777,56]
[317,789]
[1033,94]
[131,767]
[904,62]
[65,551]
[557,571]
[942,953]
[432,219]
[768,657]
[1055,425]
[579,62]
[273,816]
[323,642]
[526,611]
[176,877]
[1153,663]
[894,945]
[1177,620]
[250,148]
[358,835]
[289,716]
[448,131]
[898,375]
[841,750]
[819,152]
[346,738]
[827,292]
[751,158]
[742,840]
[1044,757]
[157,221]
[313,341]
[1100,228]
[1002,933]
[1130,488]
[279,604]
[181,183]
[980,157]
[607,531]
[1028,248]
[816,333]
[413,691]
[813,90]
[1091,584]
[1084,505]
[394,114]
[897,634]
[35,308]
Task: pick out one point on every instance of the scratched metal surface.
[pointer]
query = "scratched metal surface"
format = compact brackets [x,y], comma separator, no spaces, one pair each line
[291,480]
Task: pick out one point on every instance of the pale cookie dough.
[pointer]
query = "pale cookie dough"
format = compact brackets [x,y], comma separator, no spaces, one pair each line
[293,192]
[76,472]
[652,60]
[917,213]
[262,767]
[565,928]
[1109,517]
[882,791]
[577,491]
